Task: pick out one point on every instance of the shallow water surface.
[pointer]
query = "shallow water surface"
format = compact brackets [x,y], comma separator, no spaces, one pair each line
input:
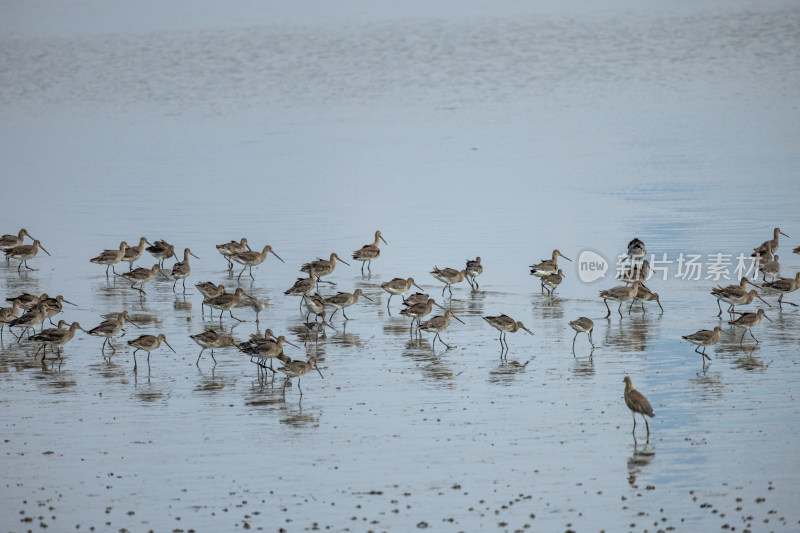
[502,135]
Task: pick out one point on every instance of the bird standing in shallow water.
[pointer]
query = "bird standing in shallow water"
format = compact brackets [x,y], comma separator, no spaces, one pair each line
[474,269]
[704,338]
[251,259]
[505,325]
[181,269]
[582,325]
[368,252]
[228,249]
[148,343]
[23,252]
[637,403]
[784,286]
[211,340]
[749,321]
[398,286]
[110,257]
[298,369]
[161,250]
[10,241]
[134,253]
[438,324]
[448,276]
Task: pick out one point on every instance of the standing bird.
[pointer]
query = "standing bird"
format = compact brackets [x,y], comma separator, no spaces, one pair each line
[302,287]
[770,246]
[505,325]
[8,315]
[474,269]
[211,340]
[23,252]
[55,338]
[209,290]
[771,268]
[140,276]
[267,349]
[314,304]
[738,300]
[438,324]
[582,325]
[161,250]
[10,241]
[55,305]
[345,299]
[547,266]
[134,253]
[419,310]
[784,286]
[148,343]
[110,328]
[551,281]
[298,369]
[181,269]
[110,257]
[731,291]
[748,321]
[368,252]
[322,267]
[637,403]
[30,319]
[228,249]
[251,259]
[704,338]
[619,294]
[226,302]
[448,276]
[636,249]
[398,286]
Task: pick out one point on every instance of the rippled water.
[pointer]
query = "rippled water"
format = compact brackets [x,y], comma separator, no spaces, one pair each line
[504,134]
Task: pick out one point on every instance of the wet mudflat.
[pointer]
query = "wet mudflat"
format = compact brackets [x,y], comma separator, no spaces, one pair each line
[492,134]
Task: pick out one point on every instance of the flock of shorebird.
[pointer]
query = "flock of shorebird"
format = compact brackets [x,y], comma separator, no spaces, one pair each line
[263,349]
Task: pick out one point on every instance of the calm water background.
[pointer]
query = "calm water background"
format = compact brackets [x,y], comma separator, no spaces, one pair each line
[457,130]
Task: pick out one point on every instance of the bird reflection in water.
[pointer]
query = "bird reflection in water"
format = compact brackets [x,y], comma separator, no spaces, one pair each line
[640,459]
[505,372]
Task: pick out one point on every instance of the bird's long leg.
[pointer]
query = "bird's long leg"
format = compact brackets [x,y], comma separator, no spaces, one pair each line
[619,309]
[590,339]
[573,342]
[608,308]
[751,334]
[198,357]
[720,308]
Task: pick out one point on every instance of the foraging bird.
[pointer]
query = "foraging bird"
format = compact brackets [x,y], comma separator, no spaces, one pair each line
[134,253]
[734,300]
[398,286]
[474,269]
[252,258]
[345,299]
[161,250]
[211,340]
[645,295]
[23,252]
[448,276]
[419,310]
[228,249]
[315,304]
[226,302]
[181,269]
[731,291]
[784,286]
[438,324]
[619,294]
[368,252]
[704,338]
[110,328]
[298,369]
[505,325]
[110,257]
[140,276]
[582,325]
[748,321]
[267,349]
[148,343]
[55,338]
[302,287]
[637,403]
